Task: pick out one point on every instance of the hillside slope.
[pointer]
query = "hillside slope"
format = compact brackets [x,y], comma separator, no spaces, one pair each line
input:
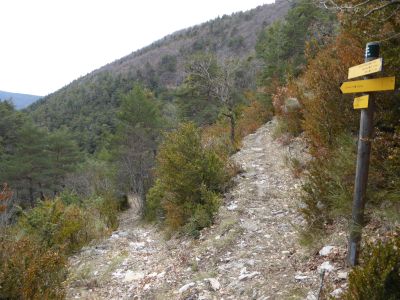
[252,252]
[20,100]
[87,106]
[228,37]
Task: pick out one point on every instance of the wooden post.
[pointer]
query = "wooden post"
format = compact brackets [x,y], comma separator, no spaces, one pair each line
[363,155]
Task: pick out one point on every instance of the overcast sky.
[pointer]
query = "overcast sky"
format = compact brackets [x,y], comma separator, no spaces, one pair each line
[46,44]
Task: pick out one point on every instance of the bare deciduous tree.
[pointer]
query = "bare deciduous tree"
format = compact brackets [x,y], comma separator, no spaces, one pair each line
[218,81]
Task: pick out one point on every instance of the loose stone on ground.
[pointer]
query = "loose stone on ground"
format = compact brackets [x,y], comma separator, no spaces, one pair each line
[251,252]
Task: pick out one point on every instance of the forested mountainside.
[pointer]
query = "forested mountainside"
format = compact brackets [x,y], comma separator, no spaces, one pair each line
[19,100]
[231,36]
[169,149]
[88,105]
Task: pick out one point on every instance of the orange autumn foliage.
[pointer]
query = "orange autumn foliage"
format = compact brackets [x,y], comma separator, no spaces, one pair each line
[5,195]
[252,116]
[327,112]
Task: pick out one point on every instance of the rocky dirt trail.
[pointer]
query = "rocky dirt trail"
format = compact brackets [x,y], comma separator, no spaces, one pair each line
[251,252]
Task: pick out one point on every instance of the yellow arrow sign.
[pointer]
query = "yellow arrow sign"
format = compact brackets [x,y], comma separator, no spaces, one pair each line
[369,85]
[370,67]
[361,102]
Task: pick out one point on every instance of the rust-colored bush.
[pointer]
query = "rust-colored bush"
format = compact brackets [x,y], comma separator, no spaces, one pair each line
[5,195]
[327,113]
[30,271]
[252,116]
[287,110]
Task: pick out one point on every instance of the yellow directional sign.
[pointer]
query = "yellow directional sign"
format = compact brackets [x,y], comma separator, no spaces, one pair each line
[369,85]
[361,102]
[370,67]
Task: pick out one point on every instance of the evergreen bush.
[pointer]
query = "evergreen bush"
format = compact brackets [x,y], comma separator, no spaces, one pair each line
[328,189]
[190,178]
[378,277]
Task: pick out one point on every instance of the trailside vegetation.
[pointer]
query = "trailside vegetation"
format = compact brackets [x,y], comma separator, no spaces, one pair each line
[34,251]
[164,130]
[307,101]
[190,179]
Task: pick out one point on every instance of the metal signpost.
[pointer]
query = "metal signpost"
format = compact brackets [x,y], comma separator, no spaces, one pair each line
[366,103]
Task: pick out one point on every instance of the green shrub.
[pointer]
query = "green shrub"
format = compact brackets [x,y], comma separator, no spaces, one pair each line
[154,210]
[203,213]
[189,180]
[33,252]
[55,224]
[329,185]
[68,198]
[378,277]
[108,206]
[30,271]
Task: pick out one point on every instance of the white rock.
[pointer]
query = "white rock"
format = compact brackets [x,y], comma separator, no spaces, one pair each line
[342,275]
[336,293]
[326,250]
[311,296]
[326,265]
[114,236]
[118,274]
[232,206]
[215,285]
[132,276]
[151,275]
[137,245]
[161,275]
[251,262]
[300,277]
[248,276]
[186,287]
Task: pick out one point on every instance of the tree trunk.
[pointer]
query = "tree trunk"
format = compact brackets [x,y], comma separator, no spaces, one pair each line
[31,198]
[41,192]
[233,125]
[232,120]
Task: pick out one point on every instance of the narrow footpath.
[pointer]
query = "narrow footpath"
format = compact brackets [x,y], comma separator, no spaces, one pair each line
[251,252]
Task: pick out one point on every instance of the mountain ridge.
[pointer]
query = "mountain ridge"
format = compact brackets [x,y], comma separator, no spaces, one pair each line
[20,100]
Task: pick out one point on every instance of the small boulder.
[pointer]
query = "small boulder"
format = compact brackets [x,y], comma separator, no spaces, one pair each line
[186,287]
[300,277]
[342,275]
[311,296]
[246,276]
[132,276]
[326,266]
[337,293]
[325,251]
[214,283]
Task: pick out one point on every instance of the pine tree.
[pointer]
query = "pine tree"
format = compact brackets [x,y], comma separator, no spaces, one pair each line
[136,140]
